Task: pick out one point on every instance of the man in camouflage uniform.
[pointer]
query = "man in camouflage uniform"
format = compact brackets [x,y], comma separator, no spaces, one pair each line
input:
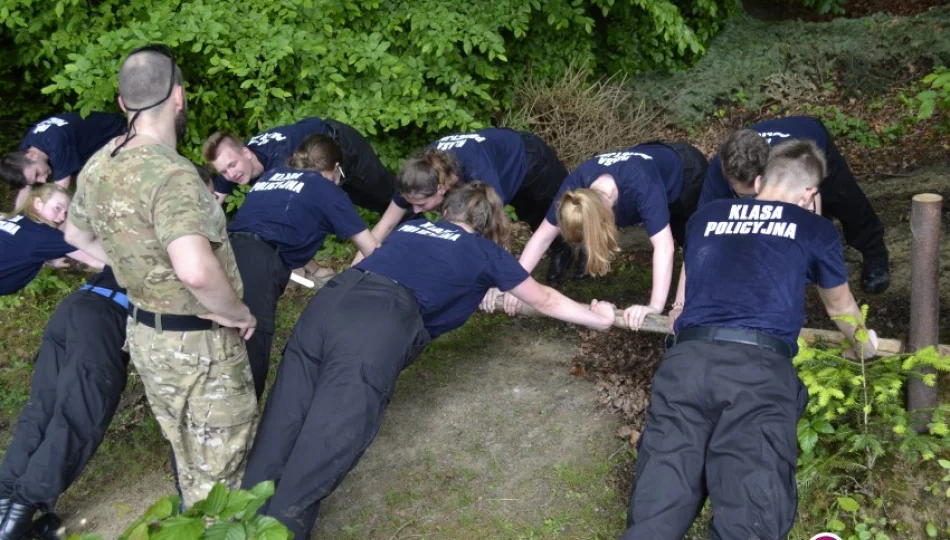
[145,207]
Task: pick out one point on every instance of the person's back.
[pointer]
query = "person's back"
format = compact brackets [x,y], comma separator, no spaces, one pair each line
[495,156]
[449,281]
[747,245]
[133,206]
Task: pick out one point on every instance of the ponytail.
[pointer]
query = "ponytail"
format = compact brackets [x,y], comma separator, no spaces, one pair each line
[477,204]
[316,153]
[584,218]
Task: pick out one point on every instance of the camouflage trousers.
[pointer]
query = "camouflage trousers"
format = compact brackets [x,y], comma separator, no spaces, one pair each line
[200,389]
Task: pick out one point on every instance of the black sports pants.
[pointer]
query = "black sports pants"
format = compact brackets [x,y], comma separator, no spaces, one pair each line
[338,373]
[694,171]
[265,278]
[843,199]
[367,181]
[541,183]
[721,422]
[78,378]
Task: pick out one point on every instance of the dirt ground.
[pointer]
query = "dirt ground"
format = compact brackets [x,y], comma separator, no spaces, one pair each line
[500,444]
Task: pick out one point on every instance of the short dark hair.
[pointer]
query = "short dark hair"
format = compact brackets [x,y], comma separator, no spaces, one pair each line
[743,156]
[316,153]
[424,172]
[11,168]
[144,79]
[795,163]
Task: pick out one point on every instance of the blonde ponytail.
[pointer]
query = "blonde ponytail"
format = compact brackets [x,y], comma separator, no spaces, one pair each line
[584,218]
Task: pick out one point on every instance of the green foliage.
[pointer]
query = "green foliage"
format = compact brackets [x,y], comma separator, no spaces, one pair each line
[383,66]
[222,515]
[762,62]
[856,417]
[46,283]
[843,125]
[936,98]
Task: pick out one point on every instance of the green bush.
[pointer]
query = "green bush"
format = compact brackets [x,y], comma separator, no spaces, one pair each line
[411,70]
[936,98]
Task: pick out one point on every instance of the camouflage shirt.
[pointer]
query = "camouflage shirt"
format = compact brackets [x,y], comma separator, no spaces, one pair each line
[137,203]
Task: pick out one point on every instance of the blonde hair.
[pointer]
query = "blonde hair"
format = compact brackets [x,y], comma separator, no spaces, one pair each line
[584,218]
[316,153]
[43,192]
[477,204]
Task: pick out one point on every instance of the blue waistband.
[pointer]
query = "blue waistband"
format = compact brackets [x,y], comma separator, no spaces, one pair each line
[119,298]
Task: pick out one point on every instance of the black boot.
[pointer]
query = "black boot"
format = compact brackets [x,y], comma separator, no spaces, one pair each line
[45,528]
[560,257]
[876,276]
[581,272]
[18,522]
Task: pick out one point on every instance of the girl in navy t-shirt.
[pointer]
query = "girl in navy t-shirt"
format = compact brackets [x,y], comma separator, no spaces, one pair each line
[653,184]
[524,171]
[365,326]
[282,224]
[30,238]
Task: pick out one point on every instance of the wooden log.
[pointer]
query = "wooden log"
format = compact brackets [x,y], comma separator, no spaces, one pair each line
[659,324]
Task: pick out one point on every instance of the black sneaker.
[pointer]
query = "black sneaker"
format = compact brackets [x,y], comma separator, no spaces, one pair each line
[45,527]
[876,276]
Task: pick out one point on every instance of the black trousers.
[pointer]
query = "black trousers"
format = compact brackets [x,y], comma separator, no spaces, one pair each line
[541,183]
[367,181]
[721,422]
[338,374]
[843,200]
[265,278]
[78,378]
[694,171]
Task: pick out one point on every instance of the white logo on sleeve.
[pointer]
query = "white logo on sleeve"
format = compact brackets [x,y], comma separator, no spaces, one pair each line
[616,157]
[769,135]
[753,219]
[428,229]
[457,141]
[45,124]
[264,138]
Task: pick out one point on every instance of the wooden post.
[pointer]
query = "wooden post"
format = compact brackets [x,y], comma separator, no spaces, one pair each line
[924,295]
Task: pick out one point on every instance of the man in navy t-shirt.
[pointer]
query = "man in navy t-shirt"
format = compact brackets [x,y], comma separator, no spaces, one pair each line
[742,158]
[365,179]
[726,399]
[57,148]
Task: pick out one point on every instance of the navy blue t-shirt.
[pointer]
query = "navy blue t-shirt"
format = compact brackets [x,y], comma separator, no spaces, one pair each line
[778,130]
[295,210]
[70,140]
[748,262]
[447,268]
[275,146]
[649,178]
[24,246]
[494,156]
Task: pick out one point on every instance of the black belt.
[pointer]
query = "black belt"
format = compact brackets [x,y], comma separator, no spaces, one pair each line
[174,323]
[736,335]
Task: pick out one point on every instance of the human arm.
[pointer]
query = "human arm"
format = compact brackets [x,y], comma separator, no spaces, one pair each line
[87,241]
[86,259]
[365,242]
[390,218]
[539,243]
[839,302]
[195,265]
[680,299]
[547,301]
[663,248]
